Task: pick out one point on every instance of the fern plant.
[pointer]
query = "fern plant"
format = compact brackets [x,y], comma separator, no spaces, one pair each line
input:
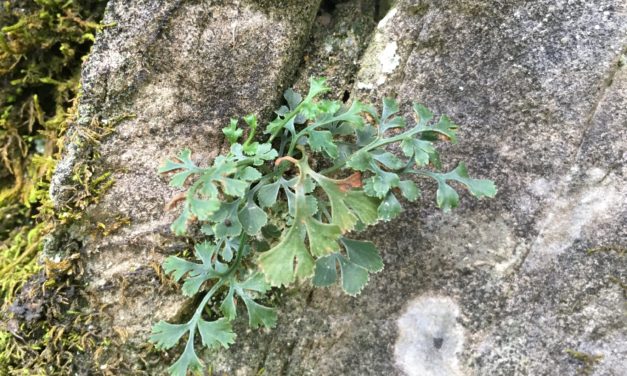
[282,210]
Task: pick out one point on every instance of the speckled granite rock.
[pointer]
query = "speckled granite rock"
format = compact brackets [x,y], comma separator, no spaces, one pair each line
[524,284]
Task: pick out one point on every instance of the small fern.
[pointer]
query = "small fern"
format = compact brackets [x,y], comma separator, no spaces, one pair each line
[282,210]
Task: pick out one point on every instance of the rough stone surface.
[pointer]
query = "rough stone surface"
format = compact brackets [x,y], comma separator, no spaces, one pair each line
[181,69]
[498,287]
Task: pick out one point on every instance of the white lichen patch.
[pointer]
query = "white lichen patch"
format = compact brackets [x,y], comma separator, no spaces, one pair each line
[388,58]
[382,56]
[429,338]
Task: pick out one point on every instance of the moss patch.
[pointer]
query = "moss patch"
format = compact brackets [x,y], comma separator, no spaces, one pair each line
[42,46]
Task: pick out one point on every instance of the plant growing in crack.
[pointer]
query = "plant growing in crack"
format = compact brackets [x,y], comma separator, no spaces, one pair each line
[282,210]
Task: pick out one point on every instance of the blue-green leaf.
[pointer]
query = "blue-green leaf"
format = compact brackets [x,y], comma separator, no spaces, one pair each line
[259,315]
[364,254]
[187,360]
[252,218]
[323,140]
[423,114]
[165,335]
[216,333]
[409,190]
[363,258]
[446,197]
[390,208]
[178,267]
[267,194]
[203,208]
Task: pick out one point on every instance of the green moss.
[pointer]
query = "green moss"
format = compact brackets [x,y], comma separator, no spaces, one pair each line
[621,250]
[41,50]
[42,46]
[588,361]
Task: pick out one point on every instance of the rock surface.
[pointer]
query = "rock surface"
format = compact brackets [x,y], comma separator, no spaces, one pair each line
[520,285]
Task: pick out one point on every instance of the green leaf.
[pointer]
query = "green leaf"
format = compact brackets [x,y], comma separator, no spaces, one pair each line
[390,208]
[178,179]
[354,278]
[389,160]
[364,254]
[326,271]
[255,282]
[390,107]
[360,161]
[205,252]
[250,149]
[229,224]
[419,150]
[252,218]
[251,120]
[409,190]
[259,315]
[178,267]
[322,237]
[185,162]
[187,360]
[323,140]
[446,197]
[179,226]
[477,187]
[352,115]
[216,333]
[165,335]
[231,132]
[423,114]
[248,174]
[293,98]
[447,128]
[234,187]
[288,260]
[228,305]
[362,258]
[364,206]
[346,205]
[317,86]
[192,284]
[203,208]
[267,194]
[380,184]
[264,152]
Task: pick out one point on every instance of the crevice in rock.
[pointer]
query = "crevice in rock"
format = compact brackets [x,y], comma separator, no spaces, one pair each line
[562,190]
[607,82]
[381,8]
[339,37]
